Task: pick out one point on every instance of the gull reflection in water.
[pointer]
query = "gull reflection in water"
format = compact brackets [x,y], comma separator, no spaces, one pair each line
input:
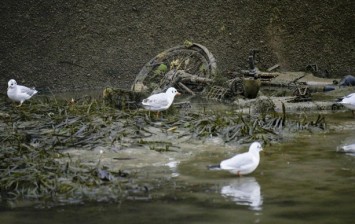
[173,164]
[244,191]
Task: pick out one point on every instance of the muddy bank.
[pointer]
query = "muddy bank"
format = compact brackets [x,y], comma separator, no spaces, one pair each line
[59,151]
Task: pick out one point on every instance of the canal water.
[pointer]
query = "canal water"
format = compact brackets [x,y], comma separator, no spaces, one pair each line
[301,180]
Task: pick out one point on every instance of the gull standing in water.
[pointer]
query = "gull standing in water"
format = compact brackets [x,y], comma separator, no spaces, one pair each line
[161,101]
[243,163]
[19,93]
[349,102]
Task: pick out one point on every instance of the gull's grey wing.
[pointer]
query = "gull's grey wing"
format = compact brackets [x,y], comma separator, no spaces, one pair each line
[350,95]
[26,90]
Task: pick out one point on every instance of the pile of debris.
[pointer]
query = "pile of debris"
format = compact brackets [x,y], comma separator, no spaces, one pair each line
[192,70]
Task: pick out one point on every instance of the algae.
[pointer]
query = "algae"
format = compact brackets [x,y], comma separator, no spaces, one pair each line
[35,139]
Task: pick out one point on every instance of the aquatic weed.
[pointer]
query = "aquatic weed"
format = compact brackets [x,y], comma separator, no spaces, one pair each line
[34,139]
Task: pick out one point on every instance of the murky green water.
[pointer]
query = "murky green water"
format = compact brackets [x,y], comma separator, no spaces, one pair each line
[303,180]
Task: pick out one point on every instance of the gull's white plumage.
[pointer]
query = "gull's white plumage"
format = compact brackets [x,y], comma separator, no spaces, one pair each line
[19,93]
[349,101]
[346,148]
[160,101]
[243,163]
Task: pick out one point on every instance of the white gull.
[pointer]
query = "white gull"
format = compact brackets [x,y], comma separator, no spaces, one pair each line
[349,102]
[161,101]
[243,163]
[19,93]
